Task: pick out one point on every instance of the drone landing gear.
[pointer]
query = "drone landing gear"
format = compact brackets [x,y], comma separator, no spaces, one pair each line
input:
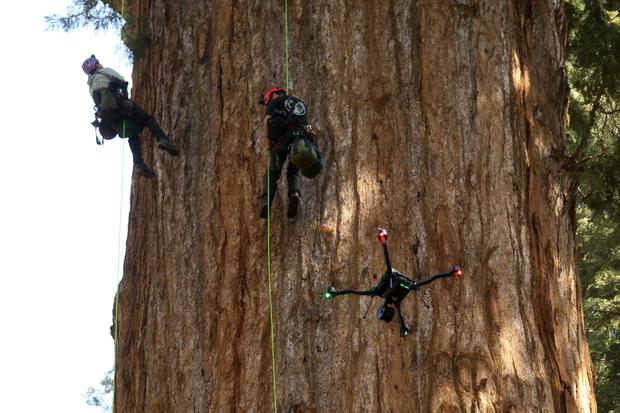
[385,312]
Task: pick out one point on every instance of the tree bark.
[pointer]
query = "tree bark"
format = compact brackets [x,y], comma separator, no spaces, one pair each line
[443,122]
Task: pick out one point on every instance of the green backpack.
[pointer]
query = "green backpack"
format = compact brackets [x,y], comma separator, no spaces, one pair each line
[126,128]
[304,154]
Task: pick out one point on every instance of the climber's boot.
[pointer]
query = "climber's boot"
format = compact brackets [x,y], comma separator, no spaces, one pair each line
[143,170]
[167,145]
[293,204]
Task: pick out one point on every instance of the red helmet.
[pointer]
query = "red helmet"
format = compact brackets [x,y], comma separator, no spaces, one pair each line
[269,92]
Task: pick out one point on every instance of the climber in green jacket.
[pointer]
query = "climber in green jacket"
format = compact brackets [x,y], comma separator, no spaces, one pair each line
[121,115]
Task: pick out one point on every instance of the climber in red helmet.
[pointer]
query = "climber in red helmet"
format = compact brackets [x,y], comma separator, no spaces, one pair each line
[285,121]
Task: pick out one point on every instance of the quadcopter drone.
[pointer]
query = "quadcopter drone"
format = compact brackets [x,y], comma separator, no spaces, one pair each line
[393,286]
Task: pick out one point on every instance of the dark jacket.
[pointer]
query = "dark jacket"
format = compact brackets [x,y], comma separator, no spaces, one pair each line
[287,113]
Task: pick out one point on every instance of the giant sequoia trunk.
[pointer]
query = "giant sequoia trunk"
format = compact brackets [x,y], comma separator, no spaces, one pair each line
[443,121]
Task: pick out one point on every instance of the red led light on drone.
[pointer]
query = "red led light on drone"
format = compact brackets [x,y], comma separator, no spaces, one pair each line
[382,235]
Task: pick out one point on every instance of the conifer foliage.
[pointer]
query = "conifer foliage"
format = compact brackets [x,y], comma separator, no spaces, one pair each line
[593,58]
[98,14]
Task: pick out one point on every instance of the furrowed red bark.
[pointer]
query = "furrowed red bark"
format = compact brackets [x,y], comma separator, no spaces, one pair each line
[442,121]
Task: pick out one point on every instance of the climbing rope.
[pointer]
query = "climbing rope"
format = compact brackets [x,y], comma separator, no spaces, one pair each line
[286,45]
[118,251]
[271,324]
[273,333]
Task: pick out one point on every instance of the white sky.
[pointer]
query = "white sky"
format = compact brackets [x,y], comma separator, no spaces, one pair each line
[60,199]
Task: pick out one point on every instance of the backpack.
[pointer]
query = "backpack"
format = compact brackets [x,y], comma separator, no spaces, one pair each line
[304,154]
[109,128]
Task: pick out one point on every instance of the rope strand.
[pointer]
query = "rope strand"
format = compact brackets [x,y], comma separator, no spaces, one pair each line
[271,324]
[118,256]
[272,327]
[286,45]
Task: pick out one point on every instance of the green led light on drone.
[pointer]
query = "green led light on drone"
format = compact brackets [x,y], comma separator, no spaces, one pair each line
[405,286]
[328,295]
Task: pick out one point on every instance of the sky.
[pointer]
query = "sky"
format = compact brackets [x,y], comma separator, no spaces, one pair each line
[63,208]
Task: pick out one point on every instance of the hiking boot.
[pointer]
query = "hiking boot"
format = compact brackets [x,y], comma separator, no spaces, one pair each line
[264,209]
[167,145]
[143,170]
[293,204]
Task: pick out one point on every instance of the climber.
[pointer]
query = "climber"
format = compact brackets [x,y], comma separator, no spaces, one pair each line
[121,115]
[285,122]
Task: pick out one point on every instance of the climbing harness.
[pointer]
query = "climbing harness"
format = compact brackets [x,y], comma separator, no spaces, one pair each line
[393,286]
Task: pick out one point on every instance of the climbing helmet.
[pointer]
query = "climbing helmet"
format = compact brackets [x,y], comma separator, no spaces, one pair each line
[269,92]
[90,65]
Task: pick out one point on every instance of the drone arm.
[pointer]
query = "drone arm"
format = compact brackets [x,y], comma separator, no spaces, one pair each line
[433,278]
[455,272]
[334,292]
[387,258]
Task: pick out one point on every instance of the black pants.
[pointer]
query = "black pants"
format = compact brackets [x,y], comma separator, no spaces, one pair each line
[136,152]
[277,157]
[128,109]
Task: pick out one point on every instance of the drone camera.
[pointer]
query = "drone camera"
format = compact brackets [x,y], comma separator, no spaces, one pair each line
[385,312]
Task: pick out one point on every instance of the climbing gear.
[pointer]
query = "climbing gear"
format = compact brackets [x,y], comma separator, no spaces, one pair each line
[119,87]
[118,263]
[295,106]
[109,126]
[125,106]
[107,101]
[104,130]
[393,286]
[114,97]
[293,204]
[90,65]
[267,94]
[271,324]
[127,128]
[304,154]
[167,145]
[143,170]
[313,170]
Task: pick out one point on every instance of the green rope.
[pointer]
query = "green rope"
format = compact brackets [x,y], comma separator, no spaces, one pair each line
[118,253]
[273,333]
[271,324]
[118,270]
[286,45]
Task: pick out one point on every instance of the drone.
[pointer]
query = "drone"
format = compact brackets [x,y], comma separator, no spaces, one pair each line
[393,286]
